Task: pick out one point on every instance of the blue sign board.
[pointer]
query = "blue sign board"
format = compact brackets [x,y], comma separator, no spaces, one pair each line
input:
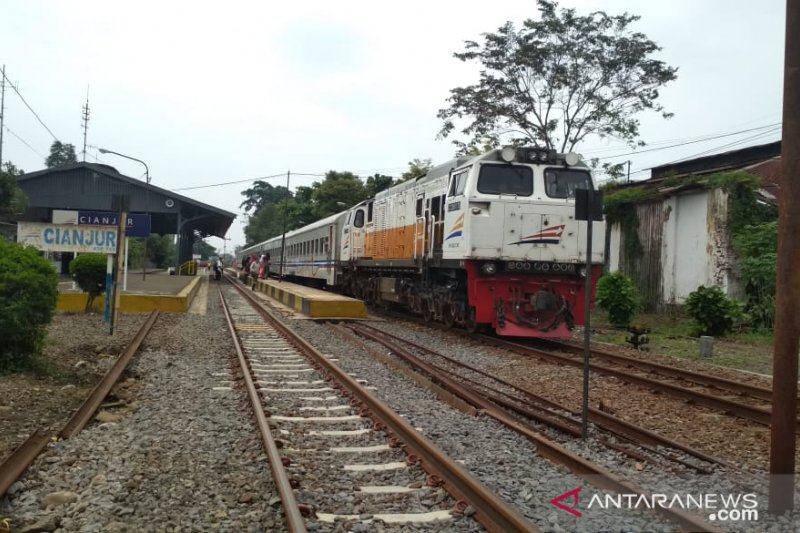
[138,224]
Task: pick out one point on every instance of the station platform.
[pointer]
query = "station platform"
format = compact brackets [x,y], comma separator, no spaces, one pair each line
[159,290]
[313,303]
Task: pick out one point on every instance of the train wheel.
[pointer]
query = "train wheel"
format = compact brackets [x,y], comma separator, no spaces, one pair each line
[470,322]
[449,315]
[427,312]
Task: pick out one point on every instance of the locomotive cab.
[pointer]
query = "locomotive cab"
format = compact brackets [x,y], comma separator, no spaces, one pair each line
[510,219]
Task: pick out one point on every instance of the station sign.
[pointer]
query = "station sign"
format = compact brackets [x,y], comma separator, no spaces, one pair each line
[68,237]
[138,223]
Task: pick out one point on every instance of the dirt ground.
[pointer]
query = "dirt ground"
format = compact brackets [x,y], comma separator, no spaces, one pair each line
[78,352]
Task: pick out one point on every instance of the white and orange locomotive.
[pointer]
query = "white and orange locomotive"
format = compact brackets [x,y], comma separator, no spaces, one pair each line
[485,241]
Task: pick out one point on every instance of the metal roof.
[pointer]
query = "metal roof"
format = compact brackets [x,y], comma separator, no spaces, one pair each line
[91,186]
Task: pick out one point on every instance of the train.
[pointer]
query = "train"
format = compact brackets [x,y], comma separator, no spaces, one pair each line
[486,242]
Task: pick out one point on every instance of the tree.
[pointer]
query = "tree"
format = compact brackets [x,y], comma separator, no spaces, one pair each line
[203,249]
[161,250]
[261,194]
[378,183]
[89,272]
[60,154]
[12,200]
[557,80]
[336,190]
[416,169]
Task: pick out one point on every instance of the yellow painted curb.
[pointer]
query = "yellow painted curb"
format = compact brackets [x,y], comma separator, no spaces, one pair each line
[75,302]
[328,305]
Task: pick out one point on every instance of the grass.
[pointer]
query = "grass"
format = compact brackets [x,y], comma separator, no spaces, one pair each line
[672,334]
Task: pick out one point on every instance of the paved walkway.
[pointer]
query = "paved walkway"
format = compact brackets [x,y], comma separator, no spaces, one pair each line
[155,282]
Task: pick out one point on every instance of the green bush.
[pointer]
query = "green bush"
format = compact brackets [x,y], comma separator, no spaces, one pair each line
[89,272]
[713,312]
[617,295]
[28,297]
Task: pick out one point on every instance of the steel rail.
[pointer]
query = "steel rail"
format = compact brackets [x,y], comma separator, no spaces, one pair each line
[491,512]
[675,372]
[749,412]
[87,409]
[591,472]
[599,418]
[291,509]
[21,458]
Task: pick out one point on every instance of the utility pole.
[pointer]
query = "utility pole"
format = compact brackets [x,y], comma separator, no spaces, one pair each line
[787,288]
[283,239]
[2,110]
[85,122]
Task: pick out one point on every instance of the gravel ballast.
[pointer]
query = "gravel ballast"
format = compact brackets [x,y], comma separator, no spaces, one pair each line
[181,453]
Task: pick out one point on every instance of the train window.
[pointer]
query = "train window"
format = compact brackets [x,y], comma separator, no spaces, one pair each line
[369,212]
[506,179]
[325,245]
[562,182]
[358,220]
[437,205]
[419,207]
[459,183]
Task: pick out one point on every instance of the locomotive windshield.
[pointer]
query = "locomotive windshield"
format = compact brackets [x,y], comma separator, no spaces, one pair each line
[563,182]
[506,179]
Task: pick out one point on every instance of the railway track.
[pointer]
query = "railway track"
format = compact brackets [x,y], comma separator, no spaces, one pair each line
[323,430]
[716,395]
[727,386]
[720,403]
[530,405]
[495,404]
[16,464]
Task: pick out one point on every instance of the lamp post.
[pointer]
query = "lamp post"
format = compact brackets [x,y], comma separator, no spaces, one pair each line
[147,201]
[224,246]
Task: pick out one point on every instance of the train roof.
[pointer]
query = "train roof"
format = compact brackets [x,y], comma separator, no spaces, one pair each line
[443,169]
[314,225]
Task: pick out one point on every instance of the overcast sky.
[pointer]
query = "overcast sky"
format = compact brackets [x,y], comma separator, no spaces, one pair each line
[206,92]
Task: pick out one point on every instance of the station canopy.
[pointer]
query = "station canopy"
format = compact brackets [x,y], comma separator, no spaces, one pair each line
[92,187]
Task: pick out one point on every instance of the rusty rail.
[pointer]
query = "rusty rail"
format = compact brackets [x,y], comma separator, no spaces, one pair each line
[87,409]
[491,512]
[19,461]
[671,371]
[291,509]
[26,453]
[599,418]
[749,412]
[591,472]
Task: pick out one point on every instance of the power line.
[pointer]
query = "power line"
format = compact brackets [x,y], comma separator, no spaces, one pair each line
[29,107]
[244,181]
[693,141]
[740,141]
[711,150]
[23,141]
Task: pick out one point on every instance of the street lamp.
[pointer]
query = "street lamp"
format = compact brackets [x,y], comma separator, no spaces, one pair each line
[147,201]
[224,243]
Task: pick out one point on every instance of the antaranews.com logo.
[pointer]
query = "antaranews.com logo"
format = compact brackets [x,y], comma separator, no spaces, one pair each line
[719,506]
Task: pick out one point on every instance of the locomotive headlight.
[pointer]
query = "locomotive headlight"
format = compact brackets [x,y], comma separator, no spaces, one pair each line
[572,159]
[582,272]
[508,154]
[489,268]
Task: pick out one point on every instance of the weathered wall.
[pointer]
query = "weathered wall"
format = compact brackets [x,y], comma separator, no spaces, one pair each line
[684,244]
